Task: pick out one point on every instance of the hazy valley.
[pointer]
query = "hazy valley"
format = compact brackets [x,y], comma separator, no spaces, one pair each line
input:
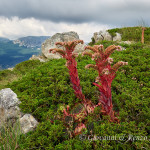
[14,52]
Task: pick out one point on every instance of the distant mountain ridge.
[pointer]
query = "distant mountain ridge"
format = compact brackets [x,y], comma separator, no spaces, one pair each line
[31,41]
[2,39]
[13,52]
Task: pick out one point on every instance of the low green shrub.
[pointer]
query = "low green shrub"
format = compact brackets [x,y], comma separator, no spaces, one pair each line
[26,66]
[136,46]
[47,87]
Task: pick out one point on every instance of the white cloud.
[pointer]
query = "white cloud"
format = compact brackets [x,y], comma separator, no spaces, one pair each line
[14,28]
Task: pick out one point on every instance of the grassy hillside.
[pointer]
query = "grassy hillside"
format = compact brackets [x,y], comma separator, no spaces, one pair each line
[132,33]
[43,87]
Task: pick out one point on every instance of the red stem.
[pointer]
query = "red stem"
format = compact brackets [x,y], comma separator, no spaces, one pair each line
[72,66]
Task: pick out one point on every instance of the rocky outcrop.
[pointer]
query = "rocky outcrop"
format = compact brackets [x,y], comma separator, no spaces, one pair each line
[10,112]
[60,37]
[117,37]
[40,58]
[104,35]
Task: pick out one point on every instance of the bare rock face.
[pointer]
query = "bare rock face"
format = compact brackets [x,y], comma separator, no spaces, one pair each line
[117,37]
[79,48]
[10,112]
[8,98]
[104,35]
[60,37]
[27,123]
[40,58]
[9,109]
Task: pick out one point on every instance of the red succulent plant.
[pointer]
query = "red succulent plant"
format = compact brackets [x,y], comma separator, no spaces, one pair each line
[106,74]
[78,113]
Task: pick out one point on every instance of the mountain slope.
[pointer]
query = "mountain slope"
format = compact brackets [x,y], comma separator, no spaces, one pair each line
[12,54]
[31,41]
[2,39]
[45,87]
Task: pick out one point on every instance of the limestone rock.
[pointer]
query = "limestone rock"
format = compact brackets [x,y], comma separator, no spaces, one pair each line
[117,37]
[10,112]
[97,37]
[79,48]
[8,98]
[102,35]
[106,36]
[40,58]
[8,105]
[59,37]
[27,123]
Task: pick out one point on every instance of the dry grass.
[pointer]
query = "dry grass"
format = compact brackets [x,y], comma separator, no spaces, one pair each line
[9,137]
[8,79]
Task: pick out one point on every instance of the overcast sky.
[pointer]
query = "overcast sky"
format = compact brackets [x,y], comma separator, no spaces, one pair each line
[46,17]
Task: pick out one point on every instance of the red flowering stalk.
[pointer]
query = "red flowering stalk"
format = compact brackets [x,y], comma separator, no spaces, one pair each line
[142,38]
[80,110]
[106,75]
[71,64]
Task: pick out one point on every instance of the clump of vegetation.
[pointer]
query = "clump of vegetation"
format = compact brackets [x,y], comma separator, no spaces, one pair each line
[105,77]
[45,90]
[10,136]
[106,74]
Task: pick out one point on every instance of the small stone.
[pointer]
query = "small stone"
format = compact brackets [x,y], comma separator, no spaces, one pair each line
[27,123]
